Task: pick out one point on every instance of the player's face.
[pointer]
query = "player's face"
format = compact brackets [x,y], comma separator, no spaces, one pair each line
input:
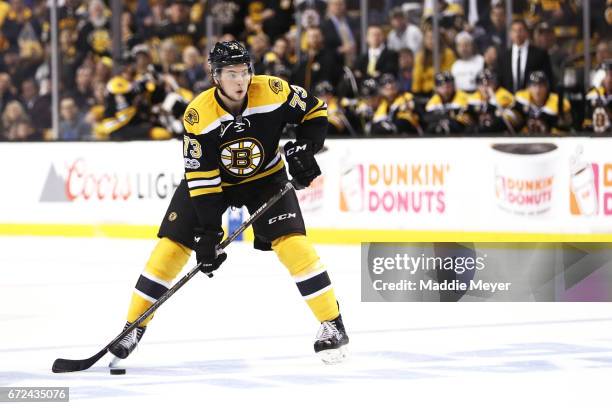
[446,90]
[234,80]
[539,93]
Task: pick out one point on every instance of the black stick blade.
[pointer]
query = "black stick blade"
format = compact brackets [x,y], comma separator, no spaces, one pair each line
[62,365]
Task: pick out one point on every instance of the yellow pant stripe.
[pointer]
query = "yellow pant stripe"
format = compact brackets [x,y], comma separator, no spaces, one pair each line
[300,258]
[165,263]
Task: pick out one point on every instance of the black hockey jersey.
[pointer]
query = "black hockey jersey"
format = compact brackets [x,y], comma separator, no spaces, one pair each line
[223,151]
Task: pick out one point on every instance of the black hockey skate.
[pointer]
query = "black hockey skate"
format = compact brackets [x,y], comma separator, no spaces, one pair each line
[331,341]
[128,343]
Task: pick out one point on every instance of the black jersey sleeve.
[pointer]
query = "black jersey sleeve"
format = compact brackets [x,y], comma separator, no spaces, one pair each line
[309,113]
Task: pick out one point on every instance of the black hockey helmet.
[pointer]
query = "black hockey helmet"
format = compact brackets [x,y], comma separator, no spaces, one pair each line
[228,53]
[486,76]
[607,65]
[323,88]
[387,79]
[442,78]
[537,78]
[369,88]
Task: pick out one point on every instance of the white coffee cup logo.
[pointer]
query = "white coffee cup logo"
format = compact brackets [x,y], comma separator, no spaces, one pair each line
[525,177]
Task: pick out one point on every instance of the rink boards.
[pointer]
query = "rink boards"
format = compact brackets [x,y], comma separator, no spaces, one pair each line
[455,189]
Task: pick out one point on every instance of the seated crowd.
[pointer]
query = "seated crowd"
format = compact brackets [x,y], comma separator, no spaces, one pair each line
[535,86]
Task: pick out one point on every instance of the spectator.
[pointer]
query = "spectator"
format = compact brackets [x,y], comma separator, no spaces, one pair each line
[73,125]
[403,34]
[277,18]
[423,74]
[538,108]
[599,104]
[603,53]
[378,59]
[7,93]
[490,106]
[179,28]
[492,32]
[169,55]
[490,58]
[37,104]
[18,24]
[83,91]
[70,57]
[318,64]
[340,31]
[544,38]
[446,112]
[561,14]
[516,64]
[406,66]
[468,65]
[195,74]
[94,35]
[260,43]
[476,10]
[277,59]
[13,118]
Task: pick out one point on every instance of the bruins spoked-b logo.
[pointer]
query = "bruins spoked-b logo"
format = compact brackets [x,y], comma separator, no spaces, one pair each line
[192,117]
[242,157]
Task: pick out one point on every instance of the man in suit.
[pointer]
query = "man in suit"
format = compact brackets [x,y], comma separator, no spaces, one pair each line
[340,31]
[318,63]
[378,59]
[517,63]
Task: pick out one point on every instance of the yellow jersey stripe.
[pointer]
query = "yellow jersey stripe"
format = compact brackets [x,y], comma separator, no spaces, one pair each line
[202,191]
[318,114]
[317,106]
[202,174]
[274,169]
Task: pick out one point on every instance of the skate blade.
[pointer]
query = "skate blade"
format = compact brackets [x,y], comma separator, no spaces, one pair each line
[333,356]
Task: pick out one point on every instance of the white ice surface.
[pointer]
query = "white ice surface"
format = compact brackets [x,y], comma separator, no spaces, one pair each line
[244,338]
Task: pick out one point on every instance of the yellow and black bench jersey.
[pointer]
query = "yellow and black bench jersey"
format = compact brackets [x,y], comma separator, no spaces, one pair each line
[490,112]
[599,111]
[225,151]
[457,106]
[540,119]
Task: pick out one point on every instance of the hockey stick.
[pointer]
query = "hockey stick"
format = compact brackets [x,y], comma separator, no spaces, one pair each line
[62,365]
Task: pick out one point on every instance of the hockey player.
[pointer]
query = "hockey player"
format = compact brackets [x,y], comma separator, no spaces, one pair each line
[232,158]
[490,105]
[127,104]
[395,113]
[446,111]
[599,104]
[538,108]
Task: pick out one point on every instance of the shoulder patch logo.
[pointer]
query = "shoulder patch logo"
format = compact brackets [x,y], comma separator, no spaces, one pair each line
[192,117]
[276,85]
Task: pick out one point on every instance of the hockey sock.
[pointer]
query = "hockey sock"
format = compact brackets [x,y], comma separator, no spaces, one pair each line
[300,258]
[166,261]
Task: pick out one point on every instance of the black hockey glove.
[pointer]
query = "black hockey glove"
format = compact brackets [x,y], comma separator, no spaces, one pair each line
[205,246]
[302,164]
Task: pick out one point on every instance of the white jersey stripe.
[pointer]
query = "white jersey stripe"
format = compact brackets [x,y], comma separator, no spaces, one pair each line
[199,183]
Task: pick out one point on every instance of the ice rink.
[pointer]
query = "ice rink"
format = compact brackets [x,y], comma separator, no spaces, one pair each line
[244,338]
